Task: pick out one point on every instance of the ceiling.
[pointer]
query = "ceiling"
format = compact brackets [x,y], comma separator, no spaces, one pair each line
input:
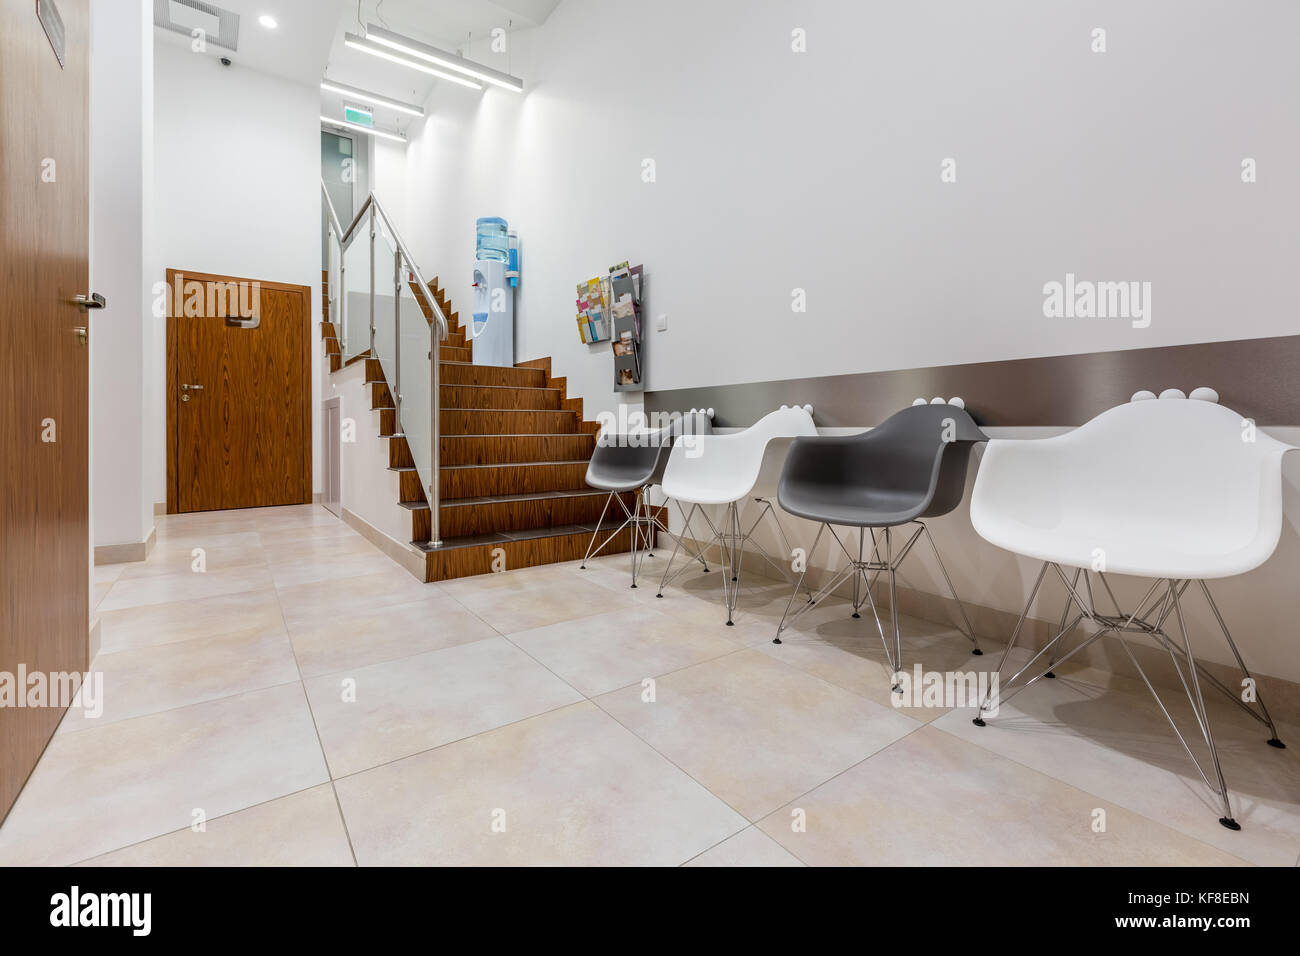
[448,24]
[296,49]
[307,43]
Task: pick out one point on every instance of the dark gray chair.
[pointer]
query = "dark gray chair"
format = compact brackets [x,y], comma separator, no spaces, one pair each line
[912,466]
[633,462]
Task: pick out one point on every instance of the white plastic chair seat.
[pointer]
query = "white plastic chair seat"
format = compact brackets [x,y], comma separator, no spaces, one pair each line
[719,469]
[1167,489]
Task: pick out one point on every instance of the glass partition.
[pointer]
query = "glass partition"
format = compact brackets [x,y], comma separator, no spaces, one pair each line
[386,259]
[356,292]
[417,415]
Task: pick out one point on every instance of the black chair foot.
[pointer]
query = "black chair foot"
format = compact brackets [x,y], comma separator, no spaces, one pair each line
[634,585]
[977,652]
[731,624]
[1230,823]
[649,554]
[582,567]
[776,640]
[978,722]
[733,577]
[1050,676]
[857,616]
[660,594]
[1274,742]
[896,689]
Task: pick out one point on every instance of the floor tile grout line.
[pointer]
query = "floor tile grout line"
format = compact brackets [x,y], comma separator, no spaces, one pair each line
[167,710]
[752,826]
[1113,801]
[302,686]
[223,816]
[458,740]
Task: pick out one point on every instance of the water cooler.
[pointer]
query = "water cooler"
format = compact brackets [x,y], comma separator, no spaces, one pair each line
[496,274]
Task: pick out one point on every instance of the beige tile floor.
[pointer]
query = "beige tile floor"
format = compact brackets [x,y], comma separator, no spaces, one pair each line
[304,701]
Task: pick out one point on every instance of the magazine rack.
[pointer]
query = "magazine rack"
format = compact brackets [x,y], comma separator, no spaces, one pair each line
[628,289]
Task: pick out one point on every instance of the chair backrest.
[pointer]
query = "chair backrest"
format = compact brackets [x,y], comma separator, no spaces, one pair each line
[639,457]
[1191,475]
[719,468]
[924,447]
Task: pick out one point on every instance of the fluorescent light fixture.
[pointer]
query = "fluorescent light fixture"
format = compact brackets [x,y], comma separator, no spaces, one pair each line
[362,129]
[374,99]
[267,21]
[360,43]
[450,61]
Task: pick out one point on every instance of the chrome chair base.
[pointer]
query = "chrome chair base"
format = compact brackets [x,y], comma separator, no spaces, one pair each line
[858,567]
[1148,619]
[645,525]
[731,540]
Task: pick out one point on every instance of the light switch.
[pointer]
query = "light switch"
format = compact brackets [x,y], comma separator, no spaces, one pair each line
[661,322]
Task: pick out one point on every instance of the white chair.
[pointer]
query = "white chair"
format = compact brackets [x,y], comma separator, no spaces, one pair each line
[708,470]
[1176,490]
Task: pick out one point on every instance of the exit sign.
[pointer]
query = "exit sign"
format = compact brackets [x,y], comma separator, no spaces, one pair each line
[359,115]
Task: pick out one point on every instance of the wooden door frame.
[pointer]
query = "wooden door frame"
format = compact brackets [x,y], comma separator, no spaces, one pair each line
[174,384]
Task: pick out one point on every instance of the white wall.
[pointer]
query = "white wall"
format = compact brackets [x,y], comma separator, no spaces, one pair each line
[779,170]
[121,335]
[237,185]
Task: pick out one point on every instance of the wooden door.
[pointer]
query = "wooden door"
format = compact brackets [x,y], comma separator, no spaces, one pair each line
[239,393]
[44,403]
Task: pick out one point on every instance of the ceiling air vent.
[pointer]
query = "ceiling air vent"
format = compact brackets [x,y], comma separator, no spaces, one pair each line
[220,27]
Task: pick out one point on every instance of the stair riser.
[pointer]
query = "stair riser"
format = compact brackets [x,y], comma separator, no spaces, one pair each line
[487,517]
[374,371]
[453,354]
[507,449]
[511,479]
[463,562]
[399,454]
[492,375]
[380,396]
[472,396]
[409,482]
[496,422]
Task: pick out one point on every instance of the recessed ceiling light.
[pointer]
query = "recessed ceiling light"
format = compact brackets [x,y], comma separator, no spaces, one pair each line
[267,21]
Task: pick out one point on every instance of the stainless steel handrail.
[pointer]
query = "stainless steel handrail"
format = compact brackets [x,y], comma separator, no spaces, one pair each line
[402,260]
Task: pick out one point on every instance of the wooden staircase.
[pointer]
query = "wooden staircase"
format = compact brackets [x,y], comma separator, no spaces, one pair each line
[514,451]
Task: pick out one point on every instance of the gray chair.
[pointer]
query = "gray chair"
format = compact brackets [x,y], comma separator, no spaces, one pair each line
[910,467]
[633,462]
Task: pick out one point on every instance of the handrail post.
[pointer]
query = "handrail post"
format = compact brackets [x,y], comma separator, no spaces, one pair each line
[435,451]
[397,342]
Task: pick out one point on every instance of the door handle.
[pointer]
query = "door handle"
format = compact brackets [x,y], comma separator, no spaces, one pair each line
[186,389]
[92,301]
[83,334]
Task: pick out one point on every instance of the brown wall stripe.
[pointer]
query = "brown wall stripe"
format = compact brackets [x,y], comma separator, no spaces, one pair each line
[1259,378]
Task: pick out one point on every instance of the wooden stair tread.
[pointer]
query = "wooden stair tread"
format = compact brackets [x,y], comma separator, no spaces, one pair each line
[499,537]
[518,464]
[521,496]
